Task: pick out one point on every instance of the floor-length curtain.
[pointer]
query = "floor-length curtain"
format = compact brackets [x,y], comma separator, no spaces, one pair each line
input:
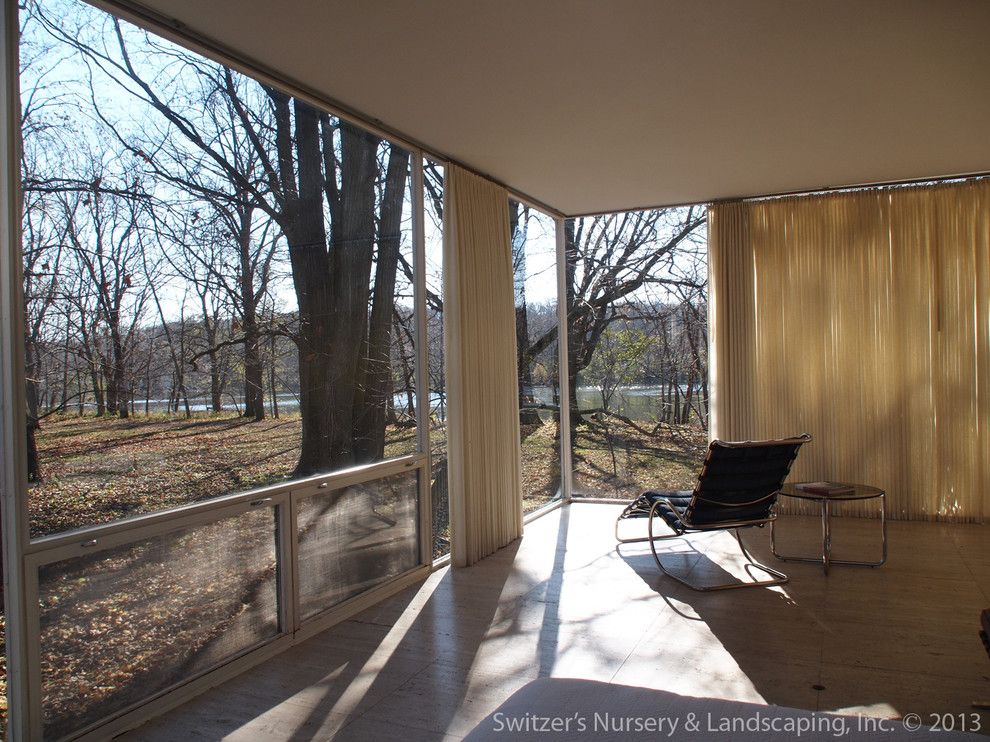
[480,356]
[862,318]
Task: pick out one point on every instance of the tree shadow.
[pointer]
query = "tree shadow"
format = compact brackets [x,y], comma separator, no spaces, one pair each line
[752,644]
[880,642]
[416,646]
[428,658]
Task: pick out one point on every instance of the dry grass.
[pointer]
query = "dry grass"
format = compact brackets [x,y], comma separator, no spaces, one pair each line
[614,459]
[540,464]
[98,470]
[121,624]
[611,459]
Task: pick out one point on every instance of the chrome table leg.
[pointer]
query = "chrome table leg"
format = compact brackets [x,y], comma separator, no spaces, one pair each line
[883,540]
[826,559]
[826,537]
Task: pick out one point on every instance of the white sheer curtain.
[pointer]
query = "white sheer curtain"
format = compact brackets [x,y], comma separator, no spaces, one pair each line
[480,355]
[862,318]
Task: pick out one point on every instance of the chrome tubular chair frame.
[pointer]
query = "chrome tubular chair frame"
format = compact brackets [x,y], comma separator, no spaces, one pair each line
[777,577]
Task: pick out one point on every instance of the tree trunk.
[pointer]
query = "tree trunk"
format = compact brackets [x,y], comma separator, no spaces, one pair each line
[216,382]
[271,387]
[81,405]
[31,377]
[303,225]
[408,367]
[524,374]
[688,399]
[33,462]
[65,375]
[216,386]
[254,389]
[110,390]
[98,395]
[116,380]
[272,391]
[370,421]
[31,370]
[173,397]
[351,254]
[331,289]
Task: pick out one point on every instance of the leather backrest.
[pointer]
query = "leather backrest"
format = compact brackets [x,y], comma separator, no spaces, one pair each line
[740,481]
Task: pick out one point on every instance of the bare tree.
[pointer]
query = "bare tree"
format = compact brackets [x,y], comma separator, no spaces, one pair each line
[42,253]
[609,259]
[104,234]
[336,194]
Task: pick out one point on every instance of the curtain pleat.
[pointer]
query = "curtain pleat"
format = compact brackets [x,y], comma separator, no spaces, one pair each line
[731,323]
[863,319]
[480,357]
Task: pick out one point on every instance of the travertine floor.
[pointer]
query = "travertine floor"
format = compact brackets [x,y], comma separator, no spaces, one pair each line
[431,662]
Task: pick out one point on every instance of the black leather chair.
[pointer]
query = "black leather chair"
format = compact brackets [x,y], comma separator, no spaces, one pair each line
[737,488]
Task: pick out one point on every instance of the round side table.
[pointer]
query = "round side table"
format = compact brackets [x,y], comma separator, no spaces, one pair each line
[860,492]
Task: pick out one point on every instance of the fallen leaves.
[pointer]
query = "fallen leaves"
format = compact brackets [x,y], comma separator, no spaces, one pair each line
[118,625]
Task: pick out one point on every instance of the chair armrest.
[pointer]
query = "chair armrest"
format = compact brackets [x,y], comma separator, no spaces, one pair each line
[757,501]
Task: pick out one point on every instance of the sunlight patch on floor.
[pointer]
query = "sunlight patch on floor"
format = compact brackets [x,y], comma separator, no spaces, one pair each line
[878,710]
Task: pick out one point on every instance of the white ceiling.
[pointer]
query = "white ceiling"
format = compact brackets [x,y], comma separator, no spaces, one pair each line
[595,105]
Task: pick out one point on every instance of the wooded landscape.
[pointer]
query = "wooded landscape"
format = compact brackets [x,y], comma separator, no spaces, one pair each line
[637,336]
[219,295]
[195,240]
[199,244]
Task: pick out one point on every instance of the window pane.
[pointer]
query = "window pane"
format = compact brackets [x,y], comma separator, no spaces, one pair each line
[217,277]
[354,538]
[638,337]
[433,222]
[534,259]
[120,625]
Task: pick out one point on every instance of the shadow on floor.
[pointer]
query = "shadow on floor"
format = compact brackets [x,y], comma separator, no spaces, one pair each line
[887,641]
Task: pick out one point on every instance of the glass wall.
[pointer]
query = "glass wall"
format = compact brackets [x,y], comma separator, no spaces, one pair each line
[351,539]
[221,302]
[637,329]
[220,298]
[212,284]
[534,263]
[118,626]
